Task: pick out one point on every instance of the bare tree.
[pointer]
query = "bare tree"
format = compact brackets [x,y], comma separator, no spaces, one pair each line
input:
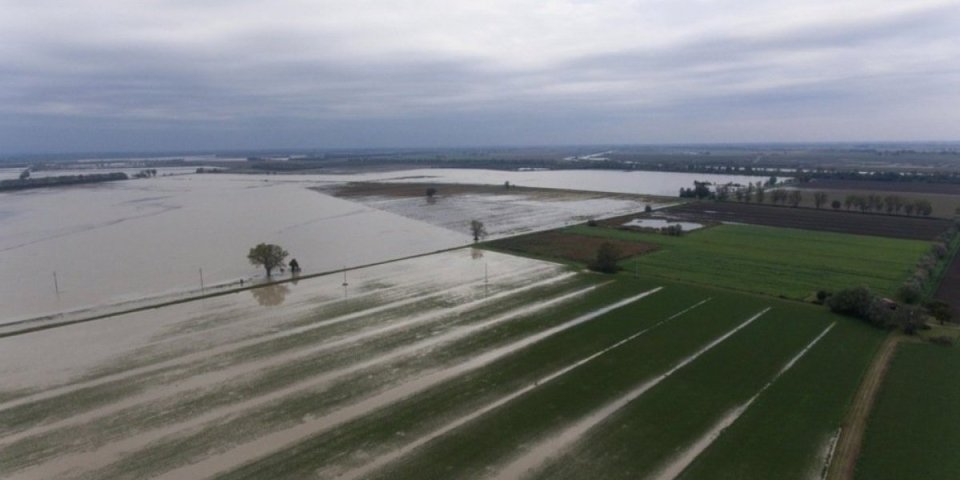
[819,199]
[795,197]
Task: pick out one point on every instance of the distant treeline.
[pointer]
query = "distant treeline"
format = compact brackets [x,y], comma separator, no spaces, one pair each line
[42,182]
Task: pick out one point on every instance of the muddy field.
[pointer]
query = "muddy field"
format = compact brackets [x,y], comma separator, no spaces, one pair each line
[809,219]
[568,246]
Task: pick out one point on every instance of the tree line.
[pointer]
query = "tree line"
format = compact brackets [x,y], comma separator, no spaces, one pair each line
[761,192]
[34,182]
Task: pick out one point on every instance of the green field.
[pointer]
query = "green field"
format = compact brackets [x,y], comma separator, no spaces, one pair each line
[641,437]
[915,426]
[774,261]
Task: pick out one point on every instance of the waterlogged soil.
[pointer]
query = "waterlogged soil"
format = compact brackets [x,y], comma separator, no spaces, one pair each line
[504,211]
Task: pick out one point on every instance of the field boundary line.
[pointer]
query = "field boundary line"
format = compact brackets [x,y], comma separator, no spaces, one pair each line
[854,424]
[681,462]
[558,441]
[406,449]
[254,449]
[178,301]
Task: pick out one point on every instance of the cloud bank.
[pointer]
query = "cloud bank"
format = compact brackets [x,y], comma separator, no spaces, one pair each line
[177,74]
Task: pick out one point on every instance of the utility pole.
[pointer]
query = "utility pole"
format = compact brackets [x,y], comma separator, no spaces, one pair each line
[486,280]
[201,280]
[345,284]
[56,284]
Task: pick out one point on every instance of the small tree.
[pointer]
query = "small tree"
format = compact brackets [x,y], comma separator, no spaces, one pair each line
[795,198]
[267,255]
[819,199]
[25,174]
[431,192]
[607,256]
[836,204]
[909,293]
[477,230]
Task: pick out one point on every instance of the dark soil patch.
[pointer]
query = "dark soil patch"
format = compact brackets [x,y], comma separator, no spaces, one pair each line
[949,289]
[913,228]
[568,246]
[903,187]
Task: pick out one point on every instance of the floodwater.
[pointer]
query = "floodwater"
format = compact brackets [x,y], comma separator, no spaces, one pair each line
[660,223]
[637,182]
[505,215]
[88,249]
[120,241]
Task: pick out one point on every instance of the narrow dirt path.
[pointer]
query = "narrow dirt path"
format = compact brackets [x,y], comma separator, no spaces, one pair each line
[845,456]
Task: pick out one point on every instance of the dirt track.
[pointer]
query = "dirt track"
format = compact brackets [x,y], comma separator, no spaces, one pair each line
[851,438]
[914,228]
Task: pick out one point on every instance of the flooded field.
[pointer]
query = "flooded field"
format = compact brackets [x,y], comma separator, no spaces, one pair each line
[637,182]
[464,364]
[77,249]
[122,241]
[504,211]
[661,223]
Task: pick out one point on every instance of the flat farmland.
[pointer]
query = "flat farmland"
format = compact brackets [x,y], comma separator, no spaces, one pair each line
[773,261]
[944,205]
[567,246]
[825,220]
[429,367]
[891,187]
[916,420]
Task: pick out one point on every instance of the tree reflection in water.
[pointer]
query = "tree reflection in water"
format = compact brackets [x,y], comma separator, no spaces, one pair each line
[271,295]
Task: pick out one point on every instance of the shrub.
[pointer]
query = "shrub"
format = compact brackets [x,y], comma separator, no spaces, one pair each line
[939,310]
[854,302]
[910,293]
[607,256]
[822,296]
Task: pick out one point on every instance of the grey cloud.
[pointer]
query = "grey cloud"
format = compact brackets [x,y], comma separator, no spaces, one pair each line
[260,85]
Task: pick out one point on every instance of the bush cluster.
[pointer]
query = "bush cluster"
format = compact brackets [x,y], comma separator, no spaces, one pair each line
[860,302]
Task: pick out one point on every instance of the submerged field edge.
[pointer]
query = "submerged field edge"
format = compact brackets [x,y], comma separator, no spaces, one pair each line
[204,296]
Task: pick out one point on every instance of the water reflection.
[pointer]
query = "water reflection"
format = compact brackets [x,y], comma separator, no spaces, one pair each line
[271,295]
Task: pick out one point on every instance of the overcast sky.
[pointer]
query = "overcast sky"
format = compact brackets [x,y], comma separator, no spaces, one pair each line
[101,75]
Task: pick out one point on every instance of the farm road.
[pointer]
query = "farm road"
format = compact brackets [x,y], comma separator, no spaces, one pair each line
[851,438]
